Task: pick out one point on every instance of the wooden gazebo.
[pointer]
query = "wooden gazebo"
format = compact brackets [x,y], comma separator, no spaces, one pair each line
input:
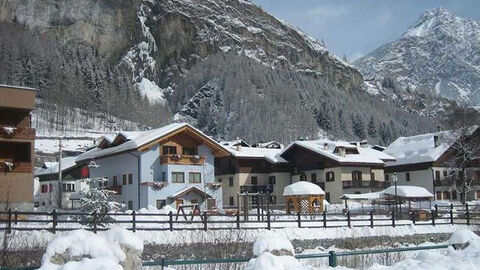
[304,197]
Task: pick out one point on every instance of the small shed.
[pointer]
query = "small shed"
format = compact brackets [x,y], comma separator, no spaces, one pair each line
[304,197]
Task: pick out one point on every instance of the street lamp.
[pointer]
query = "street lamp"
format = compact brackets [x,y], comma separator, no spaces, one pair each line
[395,179]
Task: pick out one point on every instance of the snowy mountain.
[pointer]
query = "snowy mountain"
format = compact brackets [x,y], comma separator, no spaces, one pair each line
[225,66]
[440,54]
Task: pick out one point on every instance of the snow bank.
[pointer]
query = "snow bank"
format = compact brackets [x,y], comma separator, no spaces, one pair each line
[269,244]
[463,237]
[85,250]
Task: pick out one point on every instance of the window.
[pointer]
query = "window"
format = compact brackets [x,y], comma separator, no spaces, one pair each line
[189,151]
[68,187]
[454,195]
[303,177]
[115,180]
[178,177]
[330,176]
[169,150]
[124,179]
[327,196]
[231,200]
[358,192]
[254,180]
[44,188]
[193,201]
[272,180]
[372,176]
[387,177]
[313,177]
[446,195]
[50,187]
[219,180]
[164,176]
[130,205]
[478,194]
[437,175]
[438,194]
[445,174]
[407,177]
[230,181]
[356,176]
[211,203]
[161,204]
[194,177]
[130,179]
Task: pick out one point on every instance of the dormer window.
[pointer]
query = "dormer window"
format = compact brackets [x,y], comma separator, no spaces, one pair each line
[169,150]
[189,151]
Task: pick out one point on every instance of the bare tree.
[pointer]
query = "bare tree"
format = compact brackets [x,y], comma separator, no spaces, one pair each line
[464,152]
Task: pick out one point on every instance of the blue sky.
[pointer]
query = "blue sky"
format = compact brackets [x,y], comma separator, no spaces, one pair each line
[356,27]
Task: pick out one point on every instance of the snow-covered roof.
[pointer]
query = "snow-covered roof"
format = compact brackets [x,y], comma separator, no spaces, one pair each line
[327,148]
[271,154]
[188,189]
[419,148]
[270,144]
[402,191]
[302,188]
[409,192]
[236,142]
[138,139]
[52,167]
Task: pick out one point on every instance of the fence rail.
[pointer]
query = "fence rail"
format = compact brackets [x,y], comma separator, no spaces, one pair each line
[136,221]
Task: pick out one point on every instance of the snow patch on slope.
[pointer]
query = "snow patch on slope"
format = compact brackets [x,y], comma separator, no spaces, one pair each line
[151,91]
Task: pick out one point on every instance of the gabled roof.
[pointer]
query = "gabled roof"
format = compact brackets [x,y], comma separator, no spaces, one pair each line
[270,144]
[236,142]
[141,141]
[420,148]
[328,148]
[52,167]
[187,190]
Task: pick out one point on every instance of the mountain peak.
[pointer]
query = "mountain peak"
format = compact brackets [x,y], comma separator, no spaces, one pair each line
[438,20]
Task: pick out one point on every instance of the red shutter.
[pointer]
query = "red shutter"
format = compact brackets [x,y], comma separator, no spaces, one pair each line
[50,187]
[84,172]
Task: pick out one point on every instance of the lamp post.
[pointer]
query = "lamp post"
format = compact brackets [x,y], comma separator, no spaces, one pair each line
[395,179]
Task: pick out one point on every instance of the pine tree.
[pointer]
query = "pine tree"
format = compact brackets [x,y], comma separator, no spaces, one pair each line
[358,127]
[372,129]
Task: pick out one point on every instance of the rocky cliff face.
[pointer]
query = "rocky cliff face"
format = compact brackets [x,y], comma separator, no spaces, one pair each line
[226,66]
[439,54]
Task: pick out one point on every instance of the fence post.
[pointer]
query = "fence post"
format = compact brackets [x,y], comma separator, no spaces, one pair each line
[451,213]
[170,220]
[54,220]
[325,218]
[467,213]
[268,221]
[299,220]
[94,221]
[332,259]
[162,261]
[436,210]
[348,219]
[16,217]
[9,226]
[205,221]
[412,217]
[393,219]
[371,219]
[238,220]
[134,226]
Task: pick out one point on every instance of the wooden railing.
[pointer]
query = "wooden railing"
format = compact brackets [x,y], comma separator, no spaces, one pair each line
[182,159]
[17,132]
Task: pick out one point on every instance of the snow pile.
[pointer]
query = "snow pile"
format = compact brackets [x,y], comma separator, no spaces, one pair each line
[116,249]
[274,253]
[462,237]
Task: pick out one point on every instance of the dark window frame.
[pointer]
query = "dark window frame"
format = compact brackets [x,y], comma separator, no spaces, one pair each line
[169,150]
[175,178]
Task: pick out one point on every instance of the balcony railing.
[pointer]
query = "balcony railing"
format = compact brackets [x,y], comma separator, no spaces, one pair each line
[256,189]
[17,132]
[365,184]
[182,159]
[116,189]
[10,166]
[450,182]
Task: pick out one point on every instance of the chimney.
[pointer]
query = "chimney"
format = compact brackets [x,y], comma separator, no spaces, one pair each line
[342,151]
[364,143]
[325,146]
[238,147]
[435,141]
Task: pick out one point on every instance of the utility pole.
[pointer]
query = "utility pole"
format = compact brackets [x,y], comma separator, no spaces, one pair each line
[60,187]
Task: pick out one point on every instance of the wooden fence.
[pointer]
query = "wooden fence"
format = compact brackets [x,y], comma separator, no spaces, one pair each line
[66,221]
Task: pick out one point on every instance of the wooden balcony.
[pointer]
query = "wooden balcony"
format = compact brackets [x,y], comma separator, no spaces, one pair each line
[182,159]
[117,189]
[10,132]
[18,167]
[372,184]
